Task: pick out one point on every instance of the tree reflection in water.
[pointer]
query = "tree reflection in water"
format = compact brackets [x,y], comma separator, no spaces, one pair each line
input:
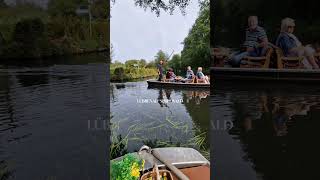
[277,131]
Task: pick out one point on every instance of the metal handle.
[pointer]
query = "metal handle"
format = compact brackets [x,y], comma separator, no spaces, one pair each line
[175,170]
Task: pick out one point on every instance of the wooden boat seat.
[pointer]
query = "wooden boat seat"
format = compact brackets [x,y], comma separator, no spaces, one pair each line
[287,62]
[258,62]
[219,58]
[197,80]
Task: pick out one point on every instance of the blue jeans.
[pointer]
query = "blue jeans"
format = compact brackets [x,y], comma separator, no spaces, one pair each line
[236,59]
[238,56]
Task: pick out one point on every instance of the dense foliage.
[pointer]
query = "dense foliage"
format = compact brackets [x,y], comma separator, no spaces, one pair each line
[29,31]
[231,19]
[131,69]
[126,169]
[196,50]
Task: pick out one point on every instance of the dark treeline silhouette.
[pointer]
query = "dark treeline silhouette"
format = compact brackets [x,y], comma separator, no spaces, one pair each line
[230,18]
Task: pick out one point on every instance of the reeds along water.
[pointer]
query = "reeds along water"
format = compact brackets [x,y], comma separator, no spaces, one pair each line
[160,124]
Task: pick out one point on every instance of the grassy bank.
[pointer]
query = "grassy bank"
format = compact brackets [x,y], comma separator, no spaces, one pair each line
[125,73]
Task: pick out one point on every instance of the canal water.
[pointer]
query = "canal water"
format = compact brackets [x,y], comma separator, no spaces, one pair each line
[271,131]
[158,117]
[46,108]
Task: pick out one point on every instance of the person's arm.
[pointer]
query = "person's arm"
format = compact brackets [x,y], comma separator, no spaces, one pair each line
[264,42]
[286,45]
[289,45]
[263,38]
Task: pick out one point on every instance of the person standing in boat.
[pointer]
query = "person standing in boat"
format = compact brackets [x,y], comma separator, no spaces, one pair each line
[160,70]
[256,42]
[292,47]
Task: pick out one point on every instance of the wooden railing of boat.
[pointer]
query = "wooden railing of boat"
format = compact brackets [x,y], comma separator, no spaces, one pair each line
[288,62]
[258,62]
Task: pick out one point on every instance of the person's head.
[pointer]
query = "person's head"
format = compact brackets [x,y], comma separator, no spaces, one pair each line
[252,22]
[189,67]
[287,25]
[161,61]
[199,69]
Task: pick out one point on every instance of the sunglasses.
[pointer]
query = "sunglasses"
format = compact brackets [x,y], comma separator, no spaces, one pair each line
[291,26]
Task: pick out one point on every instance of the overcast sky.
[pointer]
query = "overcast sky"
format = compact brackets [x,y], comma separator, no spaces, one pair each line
[140,34]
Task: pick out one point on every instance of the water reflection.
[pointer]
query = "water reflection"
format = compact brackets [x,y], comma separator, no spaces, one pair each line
[159,117]
[273,132]
[44,114]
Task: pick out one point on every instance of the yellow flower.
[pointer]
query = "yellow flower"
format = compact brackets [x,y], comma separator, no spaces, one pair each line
[135,170]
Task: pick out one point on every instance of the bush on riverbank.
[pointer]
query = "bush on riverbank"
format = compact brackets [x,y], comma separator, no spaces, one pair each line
[120,72]
[27,31]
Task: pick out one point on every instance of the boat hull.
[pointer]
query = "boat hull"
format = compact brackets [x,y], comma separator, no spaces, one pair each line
[179,156]
[155,83]
[249,74]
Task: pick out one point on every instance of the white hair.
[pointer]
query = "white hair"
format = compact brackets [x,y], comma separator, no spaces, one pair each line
[285,23]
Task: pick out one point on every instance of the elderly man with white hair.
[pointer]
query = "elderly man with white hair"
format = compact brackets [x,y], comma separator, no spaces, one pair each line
[255,44]
[291,46]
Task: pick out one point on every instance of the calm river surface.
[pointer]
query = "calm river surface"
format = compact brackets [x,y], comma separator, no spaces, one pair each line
[274,135]
[158,117]
[45,109]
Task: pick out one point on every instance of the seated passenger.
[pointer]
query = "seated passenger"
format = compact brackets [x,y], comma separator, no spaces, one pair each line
[170,75]
[201,76]
[256,42]
[292,47]
[189,75]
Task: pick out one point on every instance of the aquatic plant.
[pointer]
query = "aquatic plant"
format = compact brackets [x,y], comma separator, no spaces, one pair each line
[137,134]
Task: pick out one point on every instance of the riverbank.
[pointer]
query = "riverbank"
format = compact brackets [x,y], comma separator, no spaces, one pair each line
[27,31]
[130,74]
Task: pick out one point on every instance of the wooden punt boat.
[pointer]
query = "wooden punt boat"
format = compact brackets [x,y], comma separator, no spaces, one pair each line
[156,83]
[264,74]
[187,160]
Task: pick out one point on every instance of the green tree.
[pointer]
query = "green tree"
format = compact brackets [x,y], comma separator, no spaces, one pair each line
[99,9]
[27,37]
[196,50]
[151,64]
[64,8]
[142,63]
[175,62]
[131,63]
[157,6]
[161,56]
